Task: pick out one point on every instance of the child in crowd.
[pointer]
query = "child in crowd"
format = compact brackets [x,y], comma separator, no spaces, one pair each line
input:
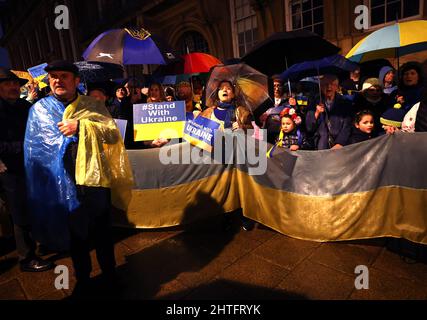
[363,127]
[392,119]
[290,135]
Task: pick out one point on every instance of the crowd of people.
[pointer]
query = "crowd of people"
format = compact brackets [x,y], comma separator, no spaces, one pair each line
[359,109]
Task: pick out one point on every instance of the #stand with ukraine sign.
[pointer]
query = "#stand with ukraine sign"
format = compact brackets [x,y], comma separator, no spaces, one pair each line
[200,132]
[159,120]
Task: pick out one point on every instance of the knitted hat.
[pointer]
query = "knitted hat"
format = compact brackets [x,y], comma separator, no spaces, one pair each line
[393,116]
[369,83]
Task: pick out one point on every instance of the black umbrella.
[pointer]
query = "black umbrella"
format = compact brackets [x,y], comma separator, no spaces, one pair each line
[283,49]
[371,69]
[91,71]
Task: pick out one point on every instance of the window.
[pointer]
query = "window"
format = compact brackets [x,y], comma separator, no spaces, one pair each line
[306,14]
[244,25]
[384,11]
[193,41]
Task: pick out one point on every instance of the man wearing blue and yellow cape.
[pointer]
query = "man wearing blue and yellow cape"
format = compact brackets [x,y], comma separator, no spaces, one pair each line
[76,166]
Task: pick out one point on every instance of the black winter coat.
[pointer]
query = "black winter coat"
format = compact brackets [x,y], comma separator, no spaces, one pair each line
[13,122]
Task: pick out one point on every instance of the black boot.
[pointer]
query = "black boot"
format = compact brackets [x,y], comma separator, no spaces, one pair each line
[35,264]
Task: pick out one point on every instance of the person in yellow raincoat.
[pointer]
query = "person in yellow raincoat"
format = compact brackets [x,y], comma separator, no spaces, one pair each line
[76,166]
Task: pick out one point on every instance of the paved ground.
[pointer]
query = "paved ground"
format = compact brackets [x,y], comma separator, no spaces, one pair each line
[206,262]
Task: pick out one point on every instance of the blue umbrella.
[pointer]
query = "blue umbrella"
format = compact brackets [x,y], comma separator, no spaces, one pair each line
[129,46]
[333,64]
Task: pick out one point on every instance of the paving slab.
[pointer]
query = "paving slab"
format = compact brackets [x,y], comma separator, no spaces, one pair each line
[385,286]
[12,290]
[285,251]
[316,281]
[344,257]
[398,266]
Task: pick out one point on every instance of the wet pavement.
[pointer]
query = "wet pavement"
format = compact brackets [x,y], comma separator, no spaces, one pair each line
[207,261]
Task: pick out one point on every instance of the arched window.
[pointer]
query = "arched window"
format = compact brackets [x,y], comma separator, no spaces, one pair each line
[192,41]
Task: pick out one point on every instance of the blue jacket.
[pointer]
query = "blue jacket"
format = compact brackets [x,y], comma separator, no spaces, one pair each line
[340,116]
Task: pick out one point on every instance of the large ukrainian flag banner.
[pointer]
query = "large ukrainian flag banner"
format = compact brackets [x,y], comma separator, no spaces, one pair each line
[376,188]
[159,120]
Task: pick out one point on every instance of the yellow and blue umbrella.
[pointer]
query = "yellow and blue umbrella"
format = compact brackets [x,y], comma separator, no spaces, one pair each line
[392,41]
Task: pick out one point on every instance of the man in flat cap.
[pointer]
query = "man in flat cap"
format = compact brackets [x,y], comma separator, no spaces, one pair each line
[76,165]
[13,120]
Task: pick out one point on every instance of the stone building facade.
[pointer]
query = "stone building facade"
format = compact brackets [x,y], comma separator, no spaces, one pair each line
[223,28]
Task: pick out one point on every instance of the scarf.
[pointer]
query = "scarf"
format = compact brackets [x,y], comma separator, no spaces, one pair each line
[230,115]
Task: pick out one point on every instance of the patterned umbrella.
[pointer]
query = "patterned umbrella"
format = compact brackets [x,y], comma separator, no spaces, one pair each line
[392,41]
[250,84]
[129,46]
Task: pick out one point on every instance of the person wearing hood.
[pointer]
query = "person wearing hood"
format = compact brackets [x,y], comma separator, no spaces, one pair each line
[386,80]
[374,99]
[410,85]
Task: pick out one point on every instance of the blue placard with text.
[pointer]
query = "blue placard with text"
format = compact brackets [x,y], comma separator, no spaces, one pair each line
[159,119]
[200,132]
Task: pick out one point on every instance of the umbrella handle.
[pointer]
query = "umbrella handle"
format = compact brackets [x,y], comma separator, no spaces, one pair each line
[320,88]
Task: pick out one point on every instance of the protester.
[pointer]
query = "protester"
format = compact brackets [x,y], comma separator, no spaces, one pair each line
[387,81]
[226,110]
[230,114]
[363,128]
[410,85]
[170,94]
[184,93]
[352,85]
[328,120]
[391,120]
[197,84]
[270,119]
[13,120]
[374,99]
[32,92]
[156,93]
[291,135]
[76,164]
[416,118]
[120,105]
[133,87]
[278,92]
[99,94]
